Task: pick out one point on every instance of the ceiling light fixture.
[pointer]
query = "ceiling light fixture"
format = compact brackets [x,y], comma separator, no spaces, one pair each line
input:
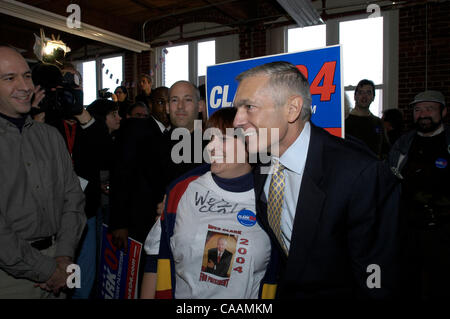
[302,12]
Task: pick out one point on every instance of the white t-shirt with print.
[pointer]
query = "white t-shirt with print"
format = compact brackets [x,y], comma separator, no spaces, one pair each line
[206,213]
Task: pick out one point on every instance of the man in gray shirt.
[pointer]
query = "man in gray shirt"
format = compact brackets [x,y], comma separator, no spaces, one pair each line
[41,201]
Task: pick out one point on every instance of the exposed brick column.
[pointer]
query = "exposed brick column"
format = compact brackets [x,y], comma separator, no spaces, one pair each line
[252,41]
[135,64]
[414,77]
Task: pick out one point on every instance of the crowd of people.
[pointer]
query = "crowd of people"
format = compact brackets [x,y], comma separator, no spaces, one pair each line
[367,216]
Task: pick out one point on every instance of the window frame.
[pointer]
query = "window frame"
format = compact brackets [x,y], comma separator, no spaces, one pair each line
[98,69]
[389,85]
[193,61]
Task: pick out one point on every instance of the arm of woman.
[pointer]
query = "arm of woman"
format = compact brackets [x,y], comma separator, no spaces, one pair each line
[148,285]
[151,248]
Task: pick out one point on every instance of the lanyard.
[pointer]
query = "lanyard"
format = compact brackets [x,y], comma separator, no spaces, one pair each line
[70,136]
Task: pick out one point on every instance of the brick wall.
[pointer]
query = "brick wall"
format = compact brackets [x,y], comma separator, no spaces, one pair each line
[252,41]
[417,71]
[135,64]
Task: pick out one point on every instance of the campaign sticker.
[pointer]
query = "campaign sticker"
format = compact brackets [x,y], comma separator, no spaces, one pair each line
[246,217]
[441,163]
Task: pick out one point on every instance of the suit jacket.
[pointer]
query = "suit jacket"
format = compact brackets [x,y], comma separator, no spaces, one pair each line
[137,181]
[92,152]
[221,267]
[345,220]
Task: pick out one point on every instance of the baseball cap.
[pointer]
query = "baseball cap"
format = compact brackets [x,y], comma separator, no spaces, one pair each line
[429,96]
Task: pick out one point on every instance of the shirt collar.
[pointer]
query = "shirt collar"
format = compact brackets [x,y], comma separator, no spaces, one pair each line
[294,158]
[4,122]
[161,126]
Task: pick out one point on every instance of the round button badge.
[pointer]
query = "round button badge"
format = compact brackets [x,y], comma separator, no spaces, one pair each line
[441,163]
[246,217]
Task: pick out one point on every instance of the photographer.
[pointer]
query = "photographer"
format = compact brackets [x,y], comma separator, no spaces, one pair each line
[86,139]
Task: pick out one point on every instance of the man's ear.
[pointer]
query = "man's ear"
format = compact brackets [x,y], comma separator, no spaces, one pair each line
[294,108]
[444,113]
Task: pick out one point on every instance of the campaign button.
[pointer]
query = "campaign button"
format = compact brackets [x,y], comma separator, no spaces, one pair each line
[246,217]
[441,163]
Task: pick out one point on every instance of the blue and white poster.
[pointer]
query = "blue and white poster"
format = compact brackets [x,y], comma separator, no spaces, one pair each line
[118,272]
[322,68]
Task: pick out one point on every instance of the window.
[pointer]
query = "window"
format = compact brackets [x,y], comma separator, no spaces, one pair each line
[112,73]
[206,55]
[176,64]
[100,73]
[176,60]
[301,39]
[89,75]
[362,43]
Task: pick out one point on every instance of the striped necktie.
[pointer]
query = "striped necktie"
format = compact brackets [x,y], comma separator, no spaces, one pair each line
[275,203]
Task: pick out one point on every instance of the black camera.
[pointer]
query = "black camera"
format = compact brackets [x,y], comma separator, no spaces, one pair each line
[63,99]
[104,94]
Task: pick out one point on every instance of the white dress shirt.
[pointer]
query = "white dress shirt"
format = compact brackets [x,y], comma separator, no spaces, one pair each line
[161,126]
[294,160]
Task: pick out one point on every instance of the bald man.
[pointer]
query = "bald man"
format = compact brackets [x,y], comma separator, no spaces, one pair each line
[42,204]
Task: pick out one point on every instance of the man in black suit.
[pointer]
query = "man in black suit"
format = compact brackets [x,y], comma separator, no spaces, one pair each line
[144,164]
[219,259]
[328,205]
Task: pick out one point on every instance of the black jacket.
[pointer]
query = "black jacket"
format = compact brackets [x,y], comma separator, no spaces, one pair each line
[137,179]
[346,220]
[91,153]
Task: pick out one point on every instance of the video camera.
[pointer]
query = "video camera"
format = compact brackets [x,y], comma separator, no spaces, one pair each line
[104,94]
[63,98]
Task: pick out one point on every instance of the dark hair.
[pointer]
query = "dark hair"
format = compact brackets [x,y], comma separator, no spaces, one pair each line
[157,90]
[147,76]
[135,105]
[202,89]
[102,107]
[48,76]
[123,88]
[366,82]
[222,119]
[395,117]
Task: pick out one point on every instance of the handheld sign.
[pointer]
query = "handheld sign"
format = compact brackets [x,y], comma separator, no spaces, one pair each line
[322,68]
[118,273]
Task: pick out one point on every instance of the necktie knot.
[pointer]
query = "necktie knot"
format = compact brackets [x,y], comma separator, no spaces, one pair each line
[277,166]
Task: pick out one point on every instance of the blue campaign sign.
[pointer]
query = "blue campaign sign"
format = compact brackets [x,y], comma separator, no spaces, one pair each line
[322,67]
[118,272]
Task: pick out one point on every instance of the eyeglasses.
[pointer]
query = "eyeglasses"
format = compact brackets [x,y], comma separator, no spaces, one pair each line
[118,92]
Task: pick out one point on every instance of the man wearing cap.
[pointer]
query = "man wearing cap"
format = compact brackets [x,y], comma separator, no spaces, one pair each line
[420,159]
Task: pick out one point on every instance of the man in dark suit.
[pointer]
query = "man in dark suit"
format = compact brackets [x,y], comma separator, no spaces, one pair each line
[144,165]
[219,259]
[328,205]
